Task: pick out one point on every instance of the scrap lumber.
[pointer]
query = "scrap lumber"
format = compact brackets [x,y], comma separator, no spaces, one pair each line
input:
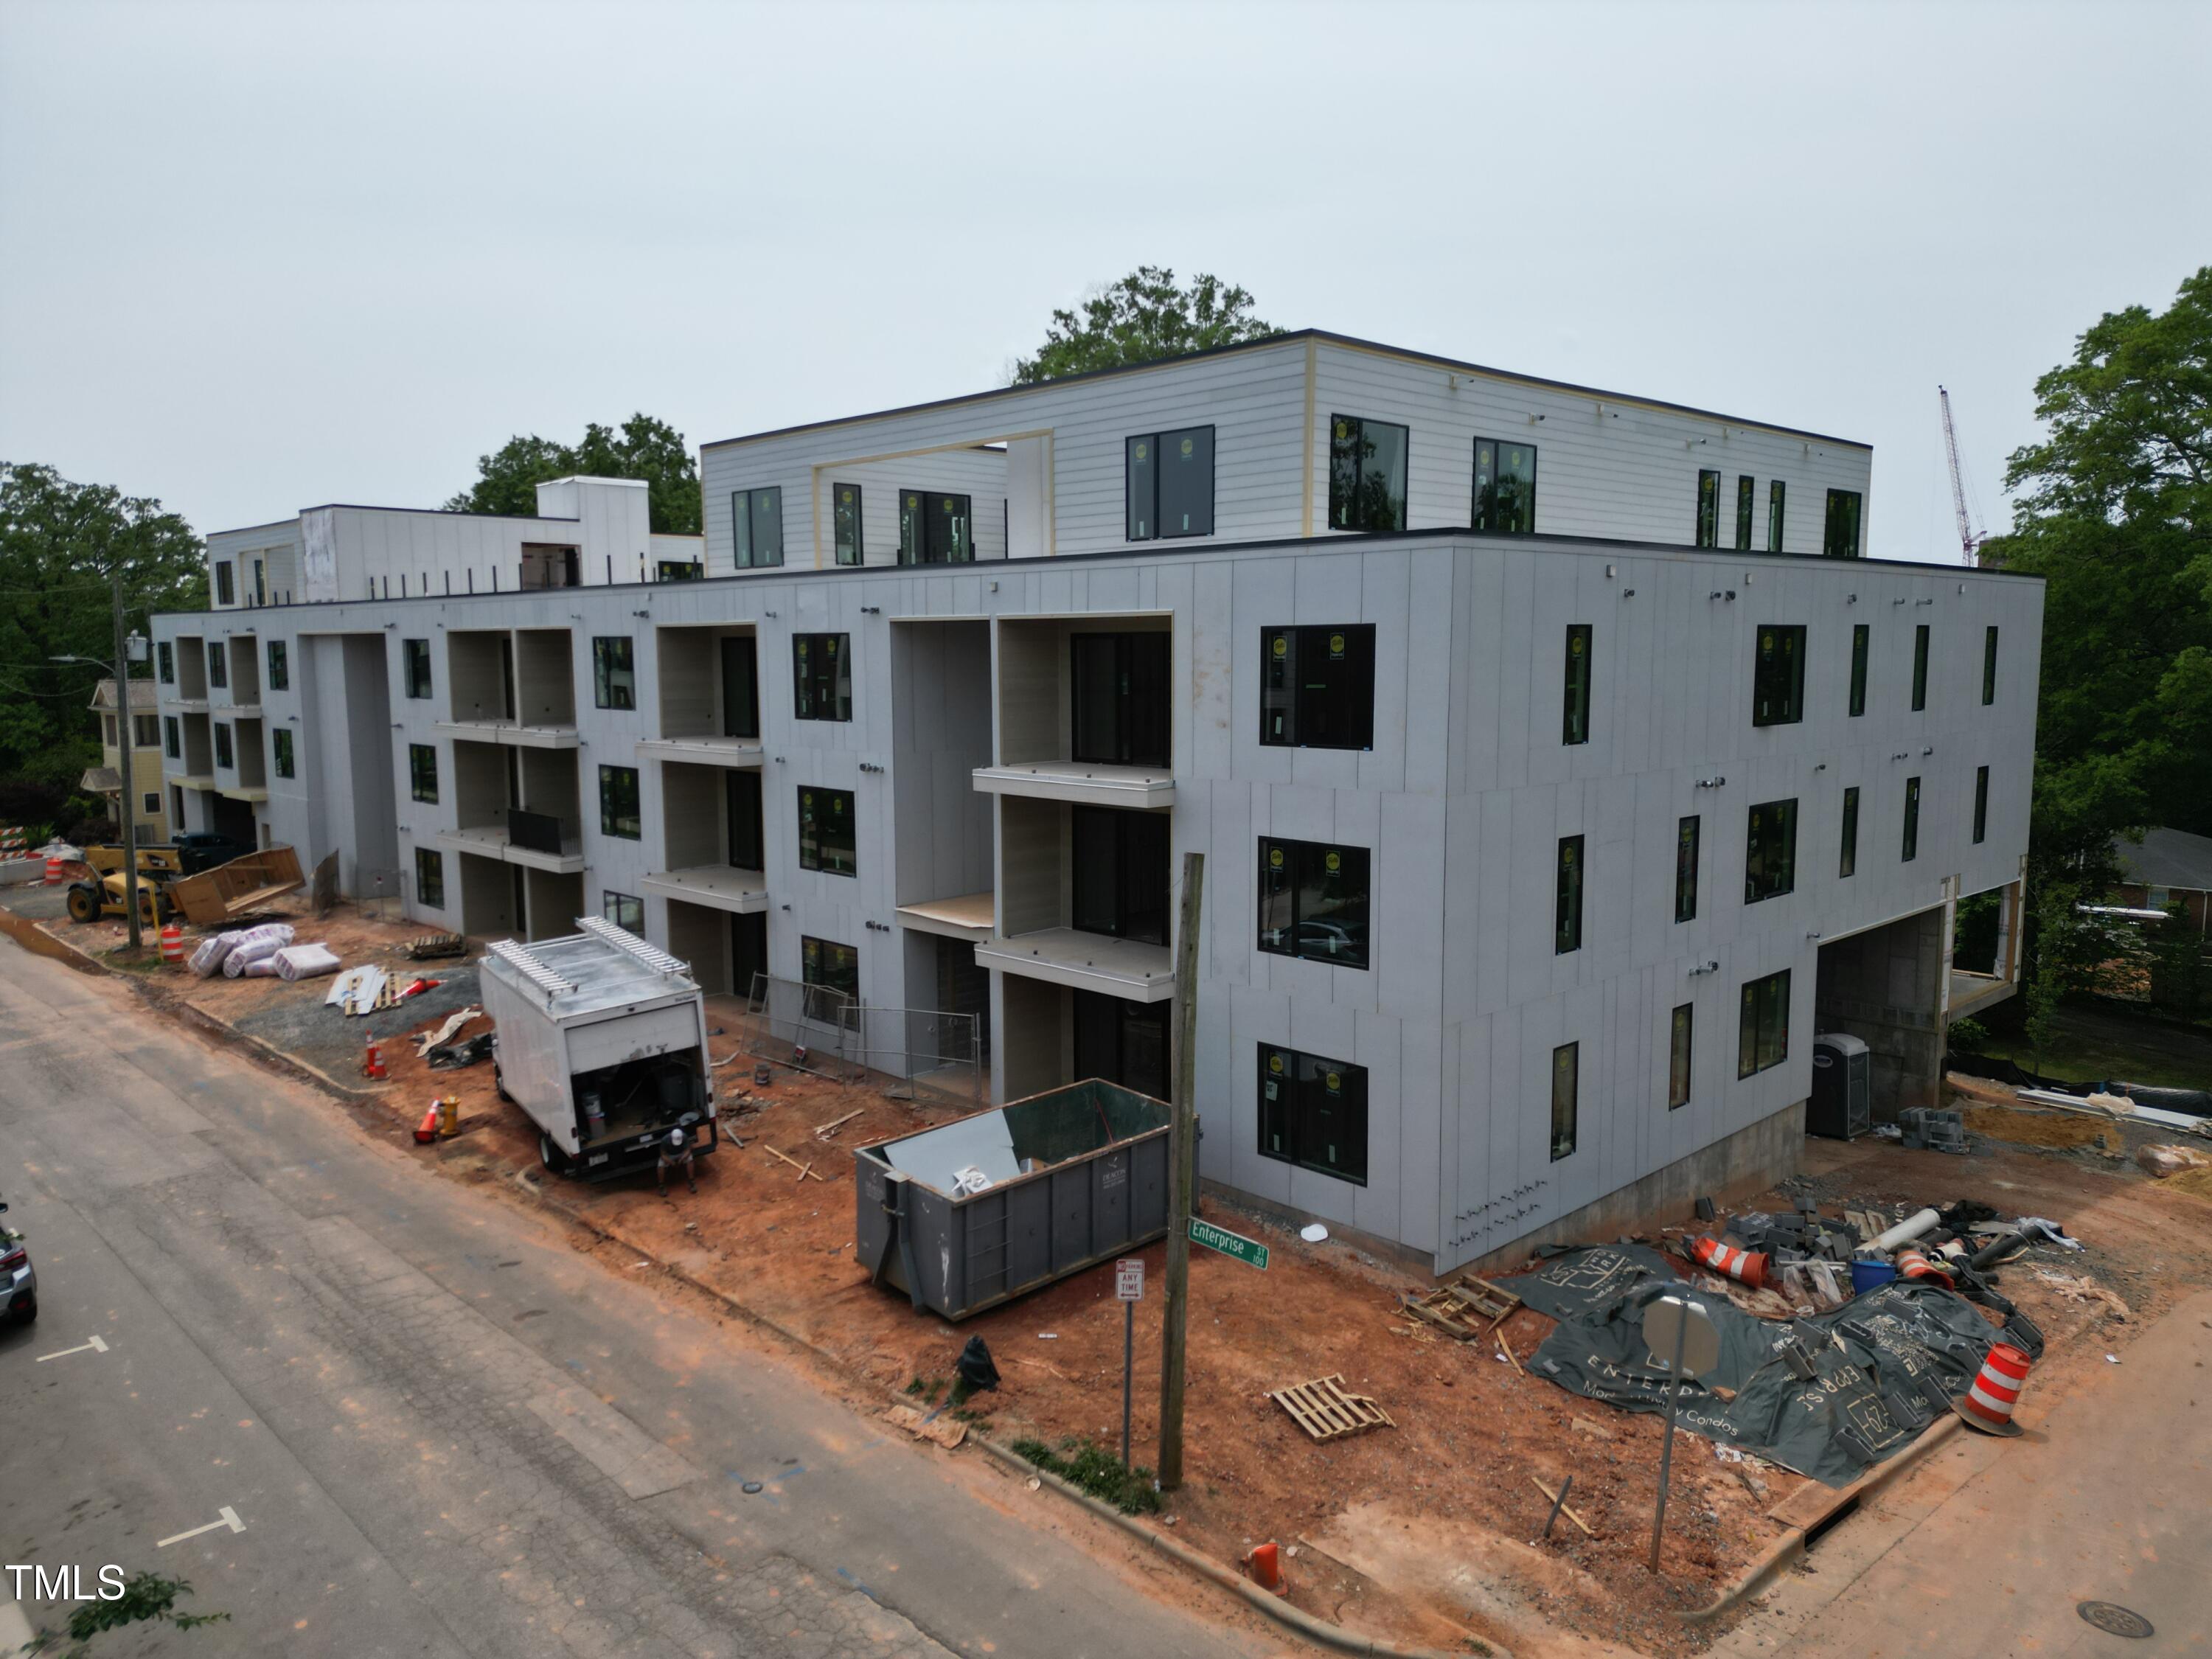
[825,1129]
[1468,1308]
[805,1170]
[1326,1411]
[1551,1496]
[1508,1349]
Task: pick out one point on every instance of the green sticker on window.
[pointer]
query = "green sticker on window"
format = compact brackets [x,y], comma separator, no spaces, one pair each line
[1282,645]
[1332,860]
[1274,858]
[1335,645]
[1142,452]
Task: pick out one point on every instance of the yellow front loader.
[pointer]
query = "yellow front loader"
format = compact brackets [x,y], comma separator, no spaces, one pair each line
[102,894]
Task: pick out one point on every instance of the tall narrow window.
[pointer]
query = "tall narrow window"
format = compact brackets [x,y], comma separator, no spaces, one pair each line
[1709,509]
[415,655]
[1367,473]
[429,878]
[1911,849]
[1770,853]
[740,655]
[1504,488]
[1839,536]
[1862,636]
[1685,869]
[1565,1087]
[173,741]
[422,771]
[822,673]
[1778,676]
[223,752]
[613,682]
[1168,483]
[1920,668]
[1317,686]
[845,522]
[165,662]
[1746,494]
[1981,803]
[1119,684]
[1988,665]
[1313,901]
[1567,913]
[1777,497]
[218,664]
[280,742]
[226,583]
[741,809]
[1574,725]
[618,809]
[826,834]
[1848,863]
[280,669]
[1313,1113]
[756,527]
[935,528]
[1763,1029]
[1678,1057]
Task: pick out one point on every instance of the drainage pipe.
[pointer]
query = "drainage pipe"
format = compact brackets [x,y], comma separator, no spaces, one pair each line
[1905,1231]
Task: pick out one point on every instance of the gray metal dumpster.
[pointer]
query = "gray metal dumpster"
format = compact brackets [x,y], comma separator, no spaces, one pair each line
[1075,1176]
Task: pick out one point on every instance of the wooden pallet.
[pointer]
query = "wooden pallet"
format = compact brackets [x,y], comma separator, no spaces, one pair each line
[1325,1411]
[1469,1309]
[432,946]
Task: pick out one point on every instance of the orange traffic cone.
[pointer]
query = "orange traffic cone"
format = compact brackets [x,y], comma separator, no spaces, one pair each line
[1744,1267]
[427,1130]
[1265,1568]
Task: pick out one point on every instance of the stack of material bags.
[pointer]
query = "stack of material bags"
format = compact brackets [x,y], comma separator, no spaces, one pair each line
[254,950]
[304,961]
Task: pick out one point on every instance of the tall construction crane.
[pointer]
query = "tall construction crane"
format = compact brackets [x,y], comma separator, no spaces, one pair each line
[1969,539]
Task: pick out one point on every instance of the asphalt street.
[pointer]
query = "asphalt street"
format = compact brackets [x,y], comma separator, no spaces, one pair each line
[368,1411]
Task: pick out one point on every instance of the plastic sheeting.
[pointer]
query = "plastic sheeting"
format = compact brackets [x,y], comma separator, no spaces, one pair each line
[1829,1396]
[306,961]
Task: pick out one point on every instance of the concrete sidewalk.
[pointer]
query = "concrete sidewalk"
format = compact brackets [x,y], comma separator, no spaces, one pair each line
[1989,1552]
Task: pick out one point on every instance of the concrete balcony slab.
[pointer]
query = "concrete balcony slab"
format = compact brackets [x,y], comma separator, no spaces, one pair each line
[722,886]
[512,733]
[743,754]
[1088,962]
[967,917]
[1081,783]
[491,841]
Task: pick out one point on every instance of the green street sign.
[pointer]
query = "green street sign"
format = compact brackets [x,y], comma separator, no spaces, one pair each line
[1250,1252]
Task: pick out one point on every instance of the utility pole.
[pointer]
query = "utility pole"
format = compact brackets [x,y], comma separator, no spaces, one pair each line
[1183,1174]
[123,717]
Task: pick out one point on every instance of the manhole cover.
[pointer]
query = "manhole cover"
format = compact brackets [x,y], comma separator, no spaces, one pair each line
[2113,1619]
[753,1487]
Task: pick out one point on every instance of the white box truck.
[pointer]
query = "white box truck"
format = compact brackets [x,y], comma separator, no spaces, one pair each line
[602,1040]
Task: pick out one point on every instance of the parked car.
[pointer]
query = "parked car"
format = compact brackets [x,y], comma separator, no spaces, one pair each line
[19,1285]
[202,849]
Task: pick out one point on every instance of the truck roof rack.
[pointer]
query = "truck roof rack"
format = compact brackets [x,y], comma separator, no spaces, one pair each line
[622,939]
[532,968]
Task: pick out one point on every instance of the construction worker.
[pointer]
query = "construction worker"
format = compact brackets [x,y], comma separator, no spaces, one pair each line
[676,1154]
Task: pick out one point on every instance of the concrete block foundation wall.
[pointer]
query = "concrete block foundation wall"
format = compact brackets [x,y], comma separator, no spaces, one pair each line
[1886,987]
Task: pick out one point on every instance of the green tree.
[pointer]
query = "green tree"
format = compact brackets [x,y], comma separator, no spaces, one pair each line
[1139,319]
[146,1598]
[2115,512]
[645,448]
[59,543]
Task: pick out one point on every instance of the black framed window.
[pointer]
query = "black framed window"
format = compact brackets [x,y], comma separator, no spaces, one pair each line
[1313,902]
[935,528]
[740,686]
[1685,869]
[826,831]
[618,809]
[1839,536]
[1988,665]
[1567,894]
[1167,484]
[222,752]
[756,527]
[1746,490]
[430,878]
[1778,676]
[226,583]
[142,730]
[173,738]
[1920,668]
[414,665]
[1847,865]
[1861,638]
[1567,1103]
[1763,1024]
[1123,1042]
[165,662]
[1776,500]
[1770,851]
[1678,1055]
[678,570]
[830,966]
[845,523]
[422,771]
[1709,507]
[1574,722]
[218,664]
[625,910]
[1121,872]
[822,672]
[1313,1113]
[1317,686]
[1367,473]
[1981,803]
[614,680]
[1911,849]
[1119,698]
[1504,488]
[280,669]
[280,748]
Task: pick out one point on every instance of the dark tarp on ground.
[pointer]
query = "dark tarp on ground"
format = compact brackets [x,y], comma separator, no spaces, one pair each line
[1885,1363]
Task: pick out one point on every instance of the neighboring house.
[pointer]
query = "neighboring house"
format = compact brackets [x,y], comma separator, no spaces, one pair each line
[1548,810]
[2168,867]
[148,800]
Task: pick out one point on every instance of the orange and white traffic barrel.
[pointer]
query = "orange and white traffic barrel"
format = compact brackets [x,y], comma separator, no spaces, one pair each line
[1911,1264]
[53,869]
[172,944]
[373,1065]
[1987,1403]
[1743,1266]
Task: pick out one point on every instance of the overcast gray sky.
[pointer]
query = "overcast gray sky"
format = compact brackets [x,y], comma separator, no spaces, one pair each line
[257,257]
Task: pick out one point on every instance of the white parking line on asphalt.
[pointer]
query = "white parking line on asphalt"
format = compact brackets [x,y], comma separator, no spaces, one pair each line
[229,1517]
[94,1346]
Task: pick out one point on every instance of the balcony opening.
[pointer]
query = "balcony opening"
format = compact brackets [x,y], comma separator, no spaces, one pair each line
[549,566]
[1084,712]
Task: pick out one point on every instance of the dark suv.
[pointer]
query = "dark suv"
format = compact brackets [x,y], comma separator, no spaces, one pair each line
[202,849]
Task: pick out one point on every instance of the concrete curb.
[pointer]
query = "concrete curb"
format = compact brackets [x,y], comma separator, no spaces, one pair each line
[1788,1550]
